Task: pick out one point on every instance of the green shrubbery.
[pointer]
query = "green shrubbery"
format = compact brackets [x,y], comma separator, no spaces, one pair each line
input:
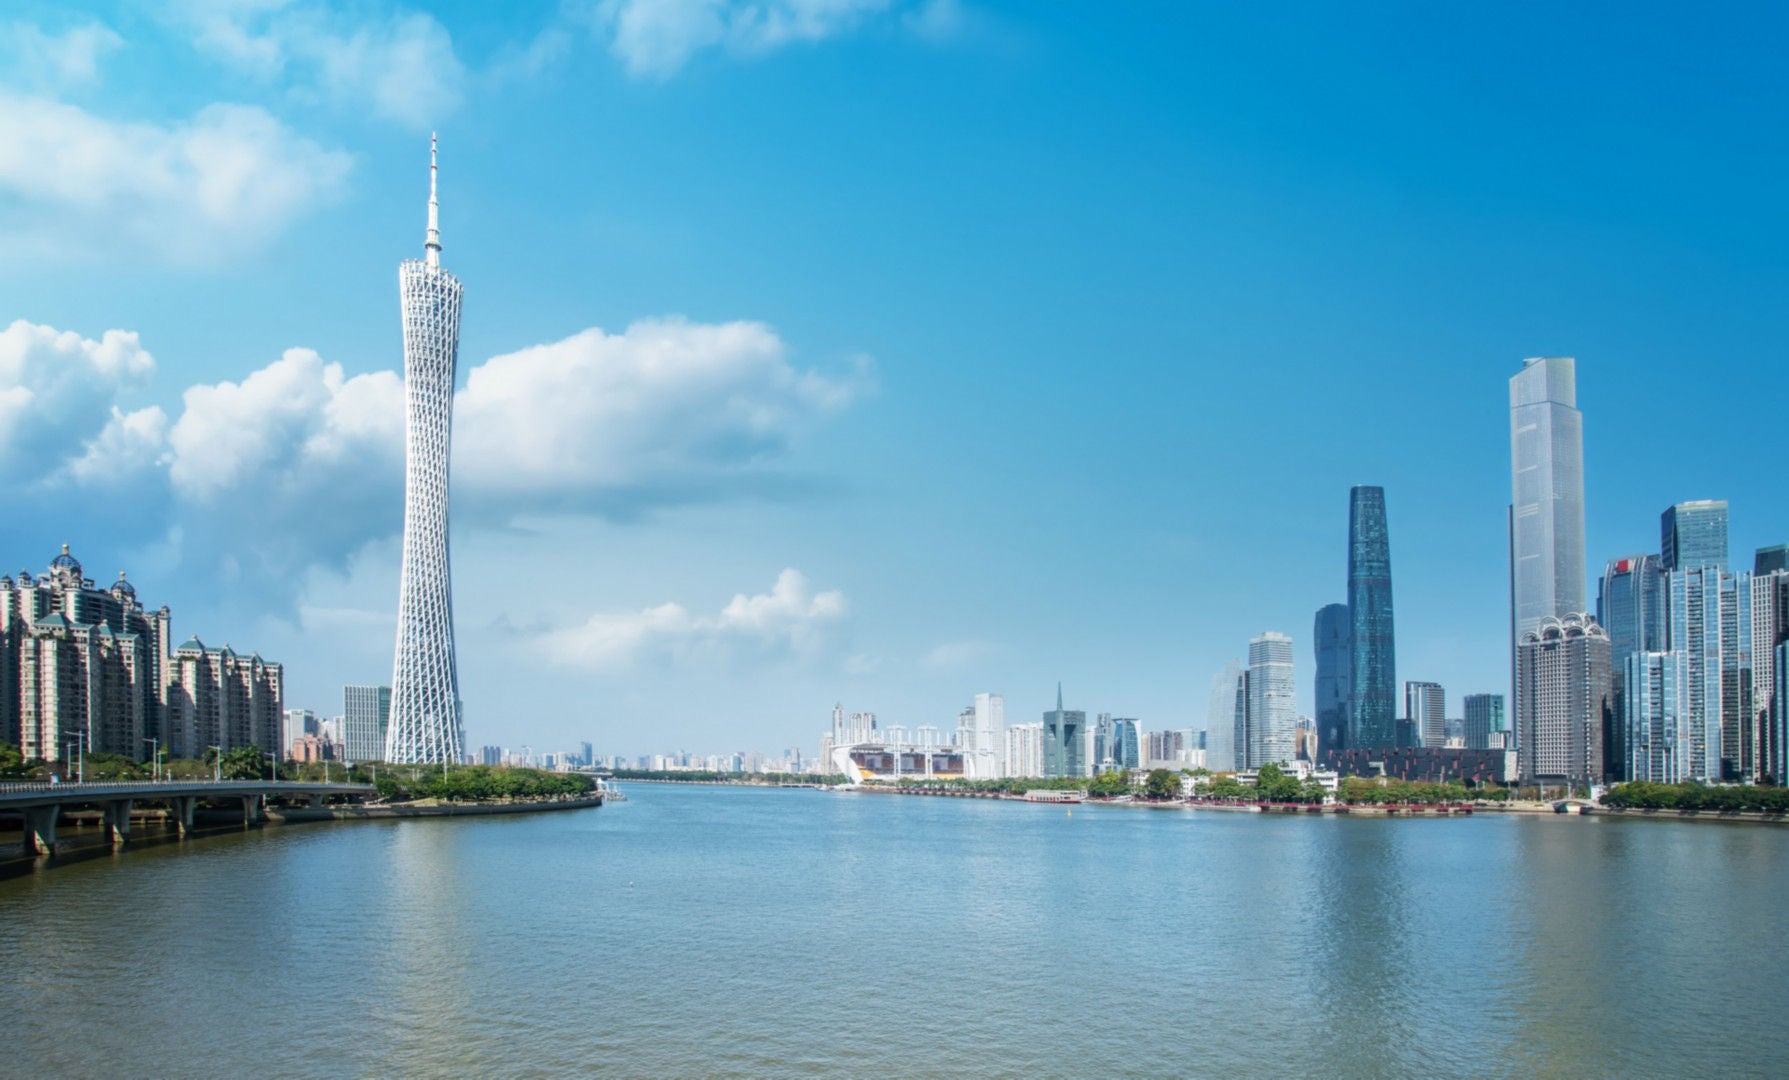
[476,783]
[1359,789]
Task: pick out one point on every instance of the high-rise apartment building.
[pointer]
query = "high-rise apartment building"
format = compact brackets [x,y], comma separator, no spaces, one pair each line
[366,714]
[1486,728]
[1693,535]
[216,697]
[1425,708]
[1065,740]
[1562,680]
[1710,621]
[982,735]
[1372,677]
[1272,711]
[1546,514]
[426,723]
[1334,664]
[1025,750]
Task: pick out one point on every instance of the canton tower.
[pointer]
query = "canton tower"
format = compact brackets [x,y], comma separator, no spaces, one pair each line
[425,686]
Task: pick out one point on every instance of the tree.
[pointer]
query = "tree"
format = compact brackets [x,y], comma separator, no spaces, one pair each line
[1161,784]
[1227,786]
[1110,783]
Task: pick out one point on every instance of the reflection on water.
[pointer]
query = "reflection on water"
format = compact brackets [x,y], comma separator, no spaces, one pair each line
[702,931]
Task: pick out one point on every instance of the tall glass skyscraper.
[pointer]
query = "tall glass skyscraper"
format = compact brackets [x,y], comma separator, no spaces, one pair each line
[1630,605]
[1333,661]
[1484,721]
[1372,668]
[425,683]
[1222,751]
[1272,711]
[1065,740]
[1546,514]
[1425,708]
[1694,534]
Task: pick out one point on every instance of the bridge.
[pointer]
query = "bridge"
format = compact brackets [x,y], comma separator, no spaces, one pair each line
[41,805]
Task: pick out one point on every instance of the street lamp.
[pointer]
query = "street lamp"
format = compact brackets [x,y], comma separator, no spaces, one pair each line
[155,758]
[80,745]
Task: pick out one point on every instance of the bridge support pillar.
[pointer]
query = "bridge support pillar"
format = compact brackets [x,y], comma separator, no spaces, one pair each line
[254,809]
[117,820]
[40,829]
[183,806]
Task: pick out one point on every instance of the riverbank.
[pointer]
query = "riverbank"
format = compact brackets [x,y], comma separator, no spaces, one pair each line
[427,808]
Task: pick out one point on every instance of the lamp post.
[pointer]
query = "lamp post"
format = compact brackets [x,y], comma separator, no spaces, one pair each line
[155,758]
[80,745]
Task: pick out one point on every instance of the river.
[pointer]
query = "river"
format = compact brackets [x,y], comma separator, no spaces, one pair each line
[698,931]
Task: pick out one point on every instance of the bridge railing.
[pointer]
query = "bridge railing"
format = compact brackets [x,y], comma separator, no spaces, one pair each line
[104,785]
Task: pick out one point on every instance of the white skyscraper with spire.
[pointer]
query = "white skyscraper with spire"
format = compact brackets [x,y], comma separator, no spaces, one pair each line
[425,687]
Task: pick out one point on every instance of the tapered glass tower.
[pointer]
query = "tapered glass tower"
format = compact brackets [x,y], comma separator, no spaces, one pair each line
[425,686]
[1372,651]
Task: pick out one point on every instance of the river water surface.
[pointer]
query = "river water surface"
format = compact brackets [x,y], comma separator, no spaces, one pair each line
[696,931]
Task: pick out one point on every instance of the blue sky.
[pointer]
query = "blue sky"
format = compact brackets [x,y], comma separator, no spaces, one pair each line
[1038,342]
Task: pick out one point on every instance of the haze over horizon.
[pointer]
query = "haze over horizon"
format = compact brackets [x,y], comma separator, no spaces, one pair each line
[879,352]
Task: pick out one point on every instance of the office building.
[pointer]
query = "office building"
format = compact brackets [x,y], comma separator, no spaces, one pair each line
[1630,606]
[1768,560]
[298,724]
[1425,710]
[1693,535]
[1562,682]
[1127,751]
[1271,712]
[1372,675]
[1770,628]
[1025,750]
[1709,620]
[1546,514]
[1334,662]
[1486,728]
[1220,720]
[366,714]
[985,753]
[1065,740]
[426,723]
[1659,744]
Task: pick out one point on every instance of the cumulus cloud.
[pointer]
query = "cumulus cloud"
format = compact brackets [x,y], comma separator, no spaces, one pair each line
[655,38]
[789,618]
[57,392]
[299,466]
[403,65]
[228,178]
[36,57]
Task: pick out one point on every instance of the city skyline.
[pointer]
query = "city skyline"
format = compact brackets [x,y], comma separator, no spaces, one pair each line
[879,464]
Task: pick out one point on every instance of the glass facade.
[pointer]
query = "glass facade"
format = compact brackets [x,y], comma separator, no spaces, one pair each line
[1694,535]
[1546,514]
[1272,711]
[1710,623]
[1332,637]
[1372,683]
[1425,708]
[1484,718]
[1065,740]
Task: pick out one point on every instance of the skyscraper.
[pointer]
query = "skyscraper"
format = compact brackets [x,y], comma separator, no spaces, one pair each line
[1770,559]
[1658,743]
[1065,740]
[1710,623]
[1425,707]
[1484,722]
[1630,605]
[1333,661]
[1546,514]
[425,685]
[1770,627]
[1272,712]
[984,749]
[1372,651]
[1220,721]
[1694,534]
[1126,751]
[1562,673]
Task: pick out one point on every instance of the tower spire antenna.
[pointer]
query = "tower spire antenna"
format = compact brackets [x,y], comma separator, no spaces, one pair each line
[432,243]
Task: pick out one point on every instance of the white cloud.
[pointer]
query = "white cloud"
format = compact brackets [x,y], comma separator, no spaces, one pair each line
[35,57]
[665,402]
[229,178]
[791,617]
[57,396]
[655,38]
[402,65]
[299,466]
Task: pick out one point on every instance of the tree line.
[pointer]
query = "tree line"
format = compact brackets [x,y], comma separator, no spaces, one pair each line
[1644,795]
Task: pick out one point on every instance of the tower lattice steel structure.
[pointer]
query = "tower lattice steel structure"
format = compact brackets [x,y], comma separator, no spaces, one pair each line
[425,686]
